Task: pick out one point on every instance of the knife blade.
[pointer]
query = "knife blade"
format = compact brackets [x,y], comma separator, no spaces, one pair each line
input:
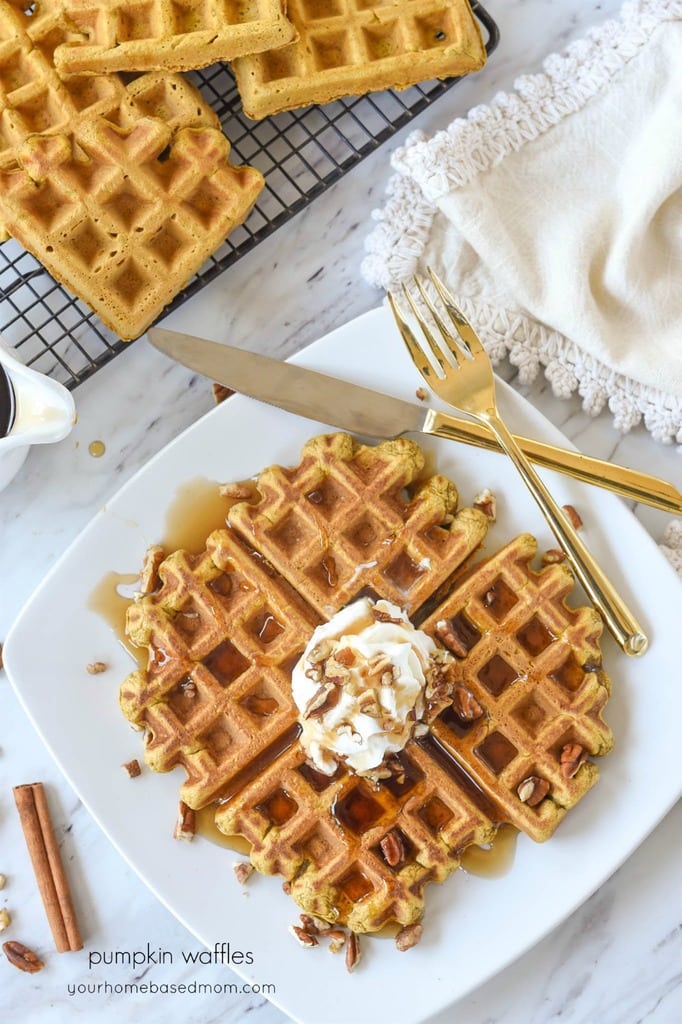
[370,413]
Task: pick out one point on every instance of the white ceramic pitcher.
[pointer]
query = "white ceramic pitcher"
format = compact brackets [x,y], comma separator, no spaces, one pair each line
[40,411]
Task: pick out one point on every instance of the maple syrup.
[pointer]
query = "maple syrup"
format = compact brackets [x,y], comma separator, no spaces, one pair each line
[197,509]
[110,599]
[206,827]
[495,859]
[6,404]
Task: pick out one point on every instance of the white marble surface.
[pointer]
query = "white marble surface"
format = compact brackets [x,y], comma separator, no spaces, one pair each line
[616,960]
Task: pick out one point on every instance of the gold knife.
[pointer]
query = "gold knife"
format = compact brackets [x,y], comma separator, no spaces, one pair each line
[372,414]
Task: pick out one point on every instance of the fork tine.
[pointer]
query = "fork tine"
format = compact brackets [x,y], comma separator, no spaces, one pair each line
[436,350]
[450,342]
[419,357]
[462,325]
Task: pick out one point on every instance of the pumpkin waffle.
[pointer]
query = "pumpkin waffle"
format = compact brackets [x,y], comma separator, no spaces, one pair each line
[509,743]
[166,35]
[352,47]
[530,688]
[352,518]
[222,633]
[533,665]
[121,190]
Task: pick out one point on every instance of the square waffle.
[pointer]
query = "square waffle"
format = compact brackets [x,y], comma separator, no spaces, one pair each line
[121,191]
[166,35]
[352,517]
[222,633]
[352,47]
[533,665]
[511,743]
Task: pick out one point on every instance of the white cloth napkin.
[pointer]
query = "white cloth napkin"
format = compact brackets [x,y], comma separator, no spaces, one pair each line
[555,215]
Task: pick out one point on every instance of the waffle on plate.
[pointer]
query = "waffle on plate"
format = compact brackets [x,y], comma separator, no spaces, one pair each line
[509,740]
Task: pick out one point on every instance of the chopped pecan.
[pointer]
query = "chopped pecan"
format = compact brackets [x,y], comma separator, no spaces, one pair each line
[486,503]
[132,768]
[572,516]
[571,758]
[465,705]
[303,937]
[320,651]
[381,616]
[243,871]
[408,936]
[186,825]
[95,668]
[149,576]
[220,392]
[393,849]
[447,633]
[532,790]
[337,940]
[353,952]
[553,556]
[421,394]
[22,957]
[309,924]
[345,656]
[325,697]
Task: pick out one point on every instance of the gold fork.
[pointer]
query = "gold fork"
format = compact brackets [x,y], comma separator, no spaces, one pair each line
[461,374]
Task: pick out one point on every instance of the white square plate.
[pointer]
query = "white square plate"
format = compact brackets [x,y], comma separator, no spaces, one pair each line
[473,926]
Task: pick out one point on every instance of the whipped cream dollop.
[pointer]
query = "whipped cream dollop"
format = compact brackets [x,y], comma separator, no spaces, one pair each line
[362,686]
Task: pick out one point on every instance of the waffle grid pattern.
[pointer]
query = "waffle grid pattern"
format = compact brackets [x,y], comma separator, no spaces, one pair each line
[171,35]
[333,858]
[534,664]
[222,635]
[301,154]
[341,522]
[353,851]
[350,47]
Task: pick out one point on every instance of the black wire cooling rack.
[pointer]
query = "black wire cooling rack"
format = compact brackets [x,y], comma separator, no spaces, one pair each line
[300,153]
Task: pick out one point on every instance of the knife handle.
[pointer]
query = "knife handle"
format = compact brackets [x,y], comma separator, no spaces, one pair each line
[628,483]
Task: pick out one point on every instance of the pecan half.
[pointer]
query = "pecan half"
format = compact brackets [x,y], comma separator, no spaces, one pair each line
[446,632]
[353,952]
[393,849]
[571,758]
[465,705]
[532,790]
[22,957]
[408,936]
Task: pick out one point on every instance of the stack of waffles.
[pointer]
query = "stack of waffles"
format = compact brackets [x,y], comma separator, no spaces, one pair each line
[512,744]
[122,187]
[285,54]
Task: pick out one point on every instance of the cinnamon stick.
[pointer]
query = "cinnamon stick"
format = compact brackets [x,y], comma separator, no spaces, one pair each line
[47,866]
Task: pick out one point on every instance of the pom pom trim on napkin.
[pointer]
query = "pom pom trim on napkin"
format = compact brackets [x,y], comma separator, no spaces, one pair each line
[428,169]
